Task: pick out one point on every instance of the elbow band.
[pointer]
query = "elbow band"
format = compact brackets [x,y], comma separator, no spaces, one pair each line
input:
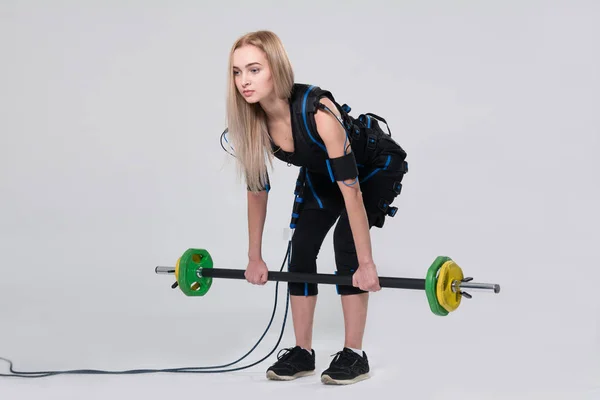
[342,168]
[266,186]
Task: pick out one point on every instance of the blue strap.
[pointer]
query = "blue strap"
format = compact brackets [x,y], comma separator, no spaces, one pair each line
[305,121]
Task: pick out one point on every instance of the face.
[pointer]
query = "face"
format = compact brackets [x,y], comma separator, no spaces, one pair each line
[252,74]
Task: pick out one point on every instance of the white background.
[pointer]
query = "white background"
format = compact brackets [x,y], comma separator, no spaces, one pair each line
[110,164]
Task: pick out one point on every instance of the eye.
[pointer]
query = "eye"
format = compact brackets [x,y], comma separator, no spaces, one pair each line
[254,69]
[235,72]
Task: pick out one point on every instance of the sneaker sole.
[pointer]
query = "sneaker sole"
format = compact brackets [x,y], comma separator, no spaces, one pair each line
[326,379]
[273,376]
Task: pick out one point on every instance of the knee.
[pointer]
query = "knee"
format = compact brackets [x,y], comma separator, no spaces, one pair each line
[303,289]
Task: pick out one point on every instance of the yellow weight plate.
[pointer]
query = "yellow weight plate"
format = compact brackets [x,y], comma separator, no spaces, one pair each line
[177,269]
[449,273]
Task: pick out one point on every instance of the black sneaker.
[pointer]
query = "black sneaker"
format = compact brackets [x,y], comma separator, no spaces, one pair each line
[347,367]
[293,363]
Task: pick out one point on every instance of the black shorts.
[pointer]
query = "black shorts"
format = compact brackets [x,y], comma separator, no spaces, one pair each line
[323,204]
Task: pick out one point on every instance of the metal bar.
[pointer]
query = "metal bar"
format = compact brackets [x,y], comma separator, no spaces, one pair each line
[457,285]
[398,283]
[390,282]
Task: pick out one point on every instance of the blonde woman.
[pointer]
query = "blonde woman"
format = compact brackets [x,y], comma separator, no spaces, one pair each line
[350,171]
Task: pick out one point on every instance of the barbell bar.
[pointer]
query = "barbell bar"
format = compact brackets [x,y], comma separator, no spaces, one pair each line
[444,283]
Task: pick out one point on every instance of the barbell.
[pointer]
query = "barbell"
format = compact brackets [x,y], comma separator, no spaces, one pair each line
[444,283]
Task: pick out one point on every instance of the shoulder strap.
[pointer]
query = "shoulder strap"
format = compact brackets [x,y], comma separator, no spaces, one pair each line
[305,100]
[381,119]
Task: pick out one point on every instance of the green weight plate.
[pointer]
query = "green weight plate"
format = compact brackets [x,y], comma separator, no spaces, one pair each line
[431,285]
[189,264]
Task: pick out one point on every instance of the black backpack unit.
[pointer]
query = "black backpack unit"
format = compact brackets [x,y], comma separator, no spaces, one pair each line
[372,148]
[365,135]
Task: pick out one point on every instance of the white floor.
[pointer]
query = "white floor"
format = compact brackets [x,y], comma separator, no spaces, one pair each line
[410,363]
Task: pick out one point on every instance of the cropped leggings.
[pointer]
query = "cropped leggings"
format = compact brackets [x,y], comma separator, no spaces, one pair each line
[323,204]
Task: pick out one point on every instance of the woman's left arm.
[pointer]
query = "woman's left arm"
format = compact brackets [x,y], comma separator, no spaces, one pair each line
[335,140]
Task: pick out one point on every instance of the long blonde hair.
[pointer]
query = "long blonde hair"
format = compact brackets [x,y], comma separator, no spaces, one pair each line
[247,122]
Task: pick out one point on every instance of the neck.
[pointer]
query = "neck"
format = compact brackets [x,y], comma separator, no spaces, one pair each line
[276,109]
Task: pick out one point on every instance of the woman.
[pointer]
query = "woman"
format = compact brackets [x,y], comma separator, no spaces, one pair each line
[351,176]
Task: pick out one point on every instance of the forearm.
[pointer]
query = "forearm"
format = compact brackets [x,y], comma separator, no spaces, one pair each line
[257,212]
[359,224]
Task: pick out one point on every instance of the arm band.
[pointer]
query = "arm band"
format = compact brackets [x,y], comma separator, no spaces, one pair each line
[342,168]
[266,187]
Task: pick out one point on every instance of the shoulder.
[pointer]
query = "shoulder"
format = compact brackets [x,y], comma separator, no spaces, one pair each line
[329,127]
[326,101]
[313,100]
[309,94]
[326,107]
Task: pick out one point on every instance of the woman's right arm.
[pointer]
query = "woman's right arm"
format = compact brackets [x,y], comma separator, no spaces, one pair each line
[256,272]
[257,213]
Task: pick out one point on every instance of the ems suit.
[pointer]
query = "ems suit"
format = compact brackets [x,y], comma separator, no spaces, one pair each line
[376,159]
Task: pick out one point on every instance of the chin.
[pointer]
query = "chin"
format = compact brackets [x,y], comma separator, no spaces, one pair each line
[252,99]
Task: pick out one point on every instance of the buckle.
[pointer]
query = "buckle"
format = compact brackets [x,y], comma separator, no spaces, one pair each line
[371,142]
[386,208]
[383,205]
[298,190]
[397,187]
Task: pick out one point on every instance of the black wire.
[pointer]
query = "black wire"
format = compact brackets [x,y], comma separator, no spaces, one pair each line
[191,370]
[221,141]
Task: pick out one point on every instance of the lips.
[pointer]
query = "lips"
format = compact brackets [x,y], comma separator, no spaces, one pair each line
[248,92]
